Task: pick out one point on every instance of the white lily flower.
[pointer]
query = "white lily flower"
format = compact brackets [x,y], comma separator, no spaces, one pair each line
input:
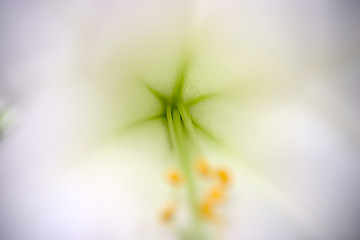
[176,120]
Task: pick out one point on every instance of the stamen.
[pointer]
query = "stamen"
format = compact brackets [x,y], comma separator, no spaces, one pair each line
[168,213]
[217,193]
[174,177]
[223,176]
[202,167]
[207,209]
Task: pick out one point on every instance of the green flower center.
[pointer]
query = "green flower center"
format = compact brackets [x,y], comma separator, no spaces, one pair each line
[182,130]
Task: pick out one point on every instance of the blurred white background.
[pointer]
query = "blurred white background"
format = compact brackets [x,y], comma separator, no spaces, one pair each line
[302,141]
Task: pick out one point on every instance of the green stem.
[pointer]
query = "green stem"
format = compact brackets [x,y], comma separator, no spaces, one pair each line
[185,161]
[176,133]
[176,123]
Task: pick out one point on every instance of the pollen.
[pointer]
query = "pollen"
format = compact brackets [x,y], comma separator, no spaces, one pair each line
[223,176]
[174,177]
[216,194]
[203,167]
[207,209]
[168,213]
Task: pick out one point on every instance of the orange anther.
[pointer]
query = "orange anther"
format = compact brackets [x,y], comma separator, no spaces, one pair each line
[174,177]
[223,176]
[207,209]
[203,167]
[216,194]
[168,212]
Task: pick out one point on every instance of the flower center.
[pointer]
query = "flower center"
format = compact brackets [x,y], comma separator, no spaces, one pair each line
[182,131]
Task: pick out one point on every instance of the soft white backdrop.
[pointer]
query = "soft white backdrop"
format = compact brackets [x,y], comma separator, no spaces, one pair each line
[299,173]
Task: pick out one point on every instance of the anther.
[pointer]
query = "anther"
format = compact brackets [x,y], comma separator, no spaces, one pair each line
[207,209]
[203,167]
[174,177]
[168,213]
[216,194]
[223,176]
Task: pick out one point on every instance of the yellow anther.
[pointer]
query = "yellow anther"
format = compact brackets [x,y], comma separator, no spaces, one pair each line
[216,194]
[207,209]
[203,167]
[174,177]
[223,176]
[168,213]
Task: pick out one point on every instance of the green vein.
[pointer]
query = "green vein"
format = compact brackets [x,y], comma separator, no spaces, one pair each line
[162,98]
[207,133]
[180,80]
[202,98]
[143,121]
